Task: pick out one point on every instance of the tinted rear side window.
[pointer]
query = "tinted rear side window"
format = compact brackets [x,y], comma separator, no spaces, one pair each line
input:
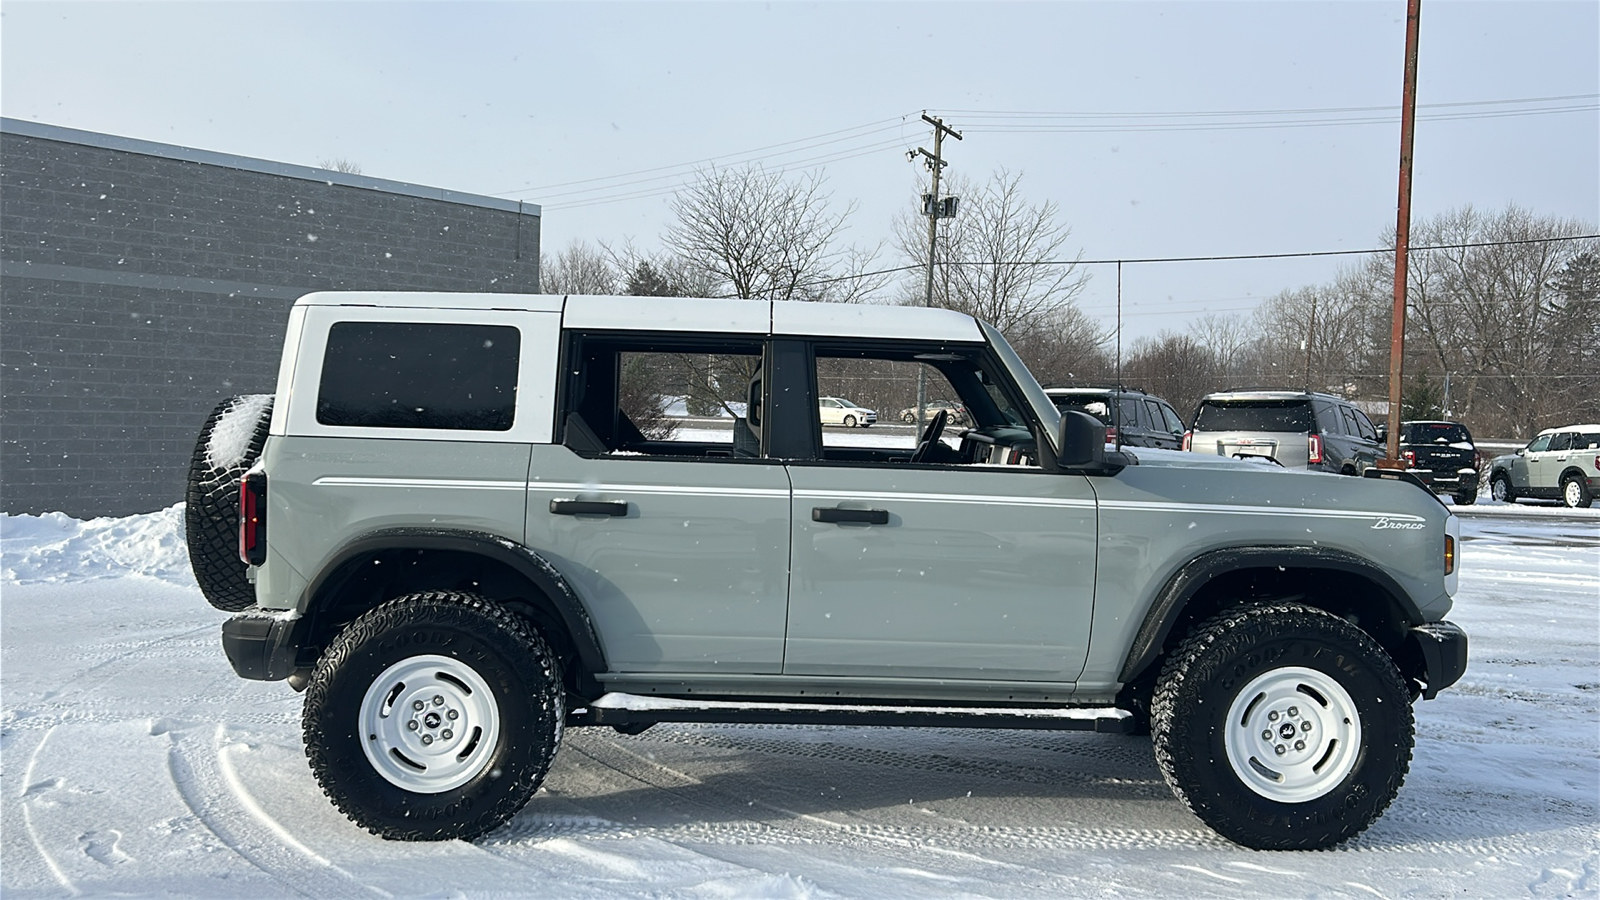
[410,375]
[1254,415]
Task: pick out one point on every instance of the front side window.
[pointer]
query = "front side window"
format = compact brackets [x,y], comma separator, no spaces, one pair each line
[1539,444]
[981,423]
[415,375]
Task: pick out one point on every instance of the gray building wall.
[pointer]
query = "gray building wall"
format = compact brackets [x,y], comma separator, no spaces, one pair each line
[142,283]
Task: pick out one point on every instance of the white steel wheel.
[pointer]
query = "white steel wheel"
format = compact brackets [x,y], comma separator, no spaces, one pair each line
[431,724]
[1574,494]
[1293,734]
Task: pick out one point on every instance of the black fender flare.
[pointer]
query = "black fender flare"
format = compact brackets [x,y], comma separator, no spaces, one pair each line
[1196,573]
[531,565]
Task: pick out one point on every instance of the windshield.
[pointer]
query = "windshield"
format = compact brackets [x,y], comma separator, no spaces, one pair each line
[1436,433]
[1043,409]
[1254,415]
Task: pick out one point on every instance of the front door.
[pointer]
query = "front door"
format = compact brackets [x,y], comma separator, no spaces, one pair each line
[955,559]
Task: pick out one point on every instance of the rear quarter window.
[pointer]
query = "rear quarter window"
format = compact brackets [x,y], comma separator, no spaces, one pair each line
[414,375]
[1254,415]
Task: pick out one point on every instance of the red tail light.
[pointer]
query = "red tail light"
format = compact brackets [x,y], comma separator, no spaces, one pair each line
[253,519]
[1188,440]
[1316,448]
[1111,435]
[1410,456]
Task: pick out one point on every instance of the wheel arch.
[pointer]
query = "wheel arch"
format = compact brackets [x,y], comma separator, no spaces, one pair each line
[380,565]
[1333,580]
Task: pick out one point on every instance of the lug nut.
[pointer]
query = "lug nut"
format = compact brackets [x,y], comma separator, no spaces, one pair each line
[417,705]
[412,724]
[452,715]
[446,734]
[1298,745]
[1294,711]
[1271,716]
[1306,725]
[1266,735]
[428,739]
[438,700]
[1280,749]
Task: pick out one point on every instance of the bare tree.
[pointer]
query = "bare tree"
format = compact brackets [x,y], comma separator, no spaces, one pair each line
[1175,367]
[340,164]
[579,269]
[755,234]
[1002,260]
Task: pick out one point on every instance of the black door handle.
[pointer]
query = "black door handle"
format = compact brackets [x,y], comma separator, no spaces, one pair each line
[589,507]
[839,514]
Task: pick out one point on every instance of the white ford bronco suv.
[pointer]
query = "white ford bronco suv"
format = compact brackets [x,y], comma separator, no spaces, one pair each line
[465,522]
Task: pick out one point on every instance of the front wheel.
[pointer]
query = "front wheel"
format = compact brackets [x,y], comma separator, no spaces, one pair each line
[1575,493]
[1282,727]
[1500,489]
[434,716]
[849,421]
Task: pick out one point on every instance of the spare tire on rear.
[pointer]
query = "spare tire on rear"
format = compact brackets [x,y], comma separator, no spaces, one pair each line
[229,444]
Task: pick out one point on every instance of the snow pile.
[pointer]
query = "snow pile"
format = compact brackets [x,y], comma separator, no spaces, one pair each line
[55,547]
[230,437]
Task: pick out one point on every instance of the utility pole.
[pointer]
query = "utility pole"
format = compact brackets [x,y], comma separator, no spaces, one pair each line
[932,208]
[1402,238]
[1311,336]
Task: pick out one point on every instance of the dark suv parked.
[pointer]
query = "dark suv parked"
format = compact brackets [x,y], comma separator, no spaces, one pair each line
[1442,455]
[1296,429]
[1143,419]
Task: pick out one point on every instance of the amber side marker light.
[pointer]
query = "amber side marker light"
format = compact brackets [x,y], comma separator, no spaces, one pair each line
[1449,554]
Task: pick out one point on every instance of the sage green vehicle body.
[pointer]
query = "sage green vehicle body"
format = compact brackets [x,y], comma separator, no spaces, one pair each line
[1019,584]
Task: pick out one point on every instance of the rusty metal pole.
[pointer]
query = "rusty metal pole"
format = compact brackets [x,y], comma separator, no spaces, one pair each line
[1402,239]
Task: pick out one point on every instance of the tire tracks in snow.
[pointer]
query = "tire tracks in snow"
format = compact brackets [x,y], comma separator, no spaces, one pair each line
[206,780]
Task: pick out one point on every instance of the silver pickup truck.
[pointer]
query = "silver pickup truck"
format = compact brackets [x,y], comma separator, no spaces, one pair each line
[466,522]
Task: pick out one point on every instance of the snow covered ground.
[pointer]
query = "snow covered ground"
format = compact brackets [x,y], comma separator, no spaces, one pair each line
[133,762]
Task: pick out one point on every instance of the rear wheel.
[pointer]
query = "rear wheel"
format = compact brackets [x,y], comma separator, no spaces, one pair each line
[434,716]
[1500,488]
[1282,727]
[1466,498]
[1575,493]
[230,442]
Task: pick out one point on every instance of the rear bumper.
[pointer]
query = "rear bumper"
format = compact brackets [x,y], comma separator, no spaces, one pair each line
[1441,650]
[260,646]
[1448,481]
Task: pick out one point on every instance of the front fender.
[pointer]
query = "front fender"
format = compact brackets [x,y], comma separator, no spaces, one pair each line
[1175,595]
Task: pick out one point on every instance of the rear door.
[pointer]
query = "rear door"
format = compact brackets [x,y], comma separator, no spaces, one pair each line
[674,529]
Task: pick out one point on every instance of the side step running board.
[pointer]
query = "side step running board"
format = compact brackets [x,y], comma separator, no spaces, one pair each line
[633,713]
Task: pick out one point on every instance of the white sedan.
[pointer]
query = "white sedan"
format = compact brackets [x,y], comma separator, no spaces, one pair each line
[839,411]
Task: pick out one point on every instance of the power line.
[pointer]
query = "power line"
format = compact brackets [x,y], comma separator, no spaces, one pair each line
[1221,258]
[1326,110]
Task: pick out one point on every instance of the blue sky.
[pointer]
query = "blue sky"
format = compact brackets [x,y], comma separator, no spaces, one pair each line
[512,98]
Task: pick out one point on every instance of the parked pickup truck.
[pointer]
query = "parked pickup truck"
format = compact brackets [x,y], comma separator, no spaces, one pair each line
[462,524]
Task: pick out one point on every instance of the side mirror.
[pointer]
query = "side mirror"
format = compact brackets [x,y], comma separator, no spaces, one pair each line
[1383,435]
[1082,440]
[1521,450]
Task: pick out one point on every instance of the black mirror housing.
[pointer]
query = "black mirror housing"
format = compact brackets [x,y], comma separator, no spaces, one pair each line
[1082,440]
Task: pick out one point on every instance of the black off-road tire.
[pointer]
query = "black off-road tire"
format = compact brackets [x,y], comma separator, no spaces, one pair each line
[1575,493]
[211,514]
[1466,498]
[1294,647]
[466,637]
